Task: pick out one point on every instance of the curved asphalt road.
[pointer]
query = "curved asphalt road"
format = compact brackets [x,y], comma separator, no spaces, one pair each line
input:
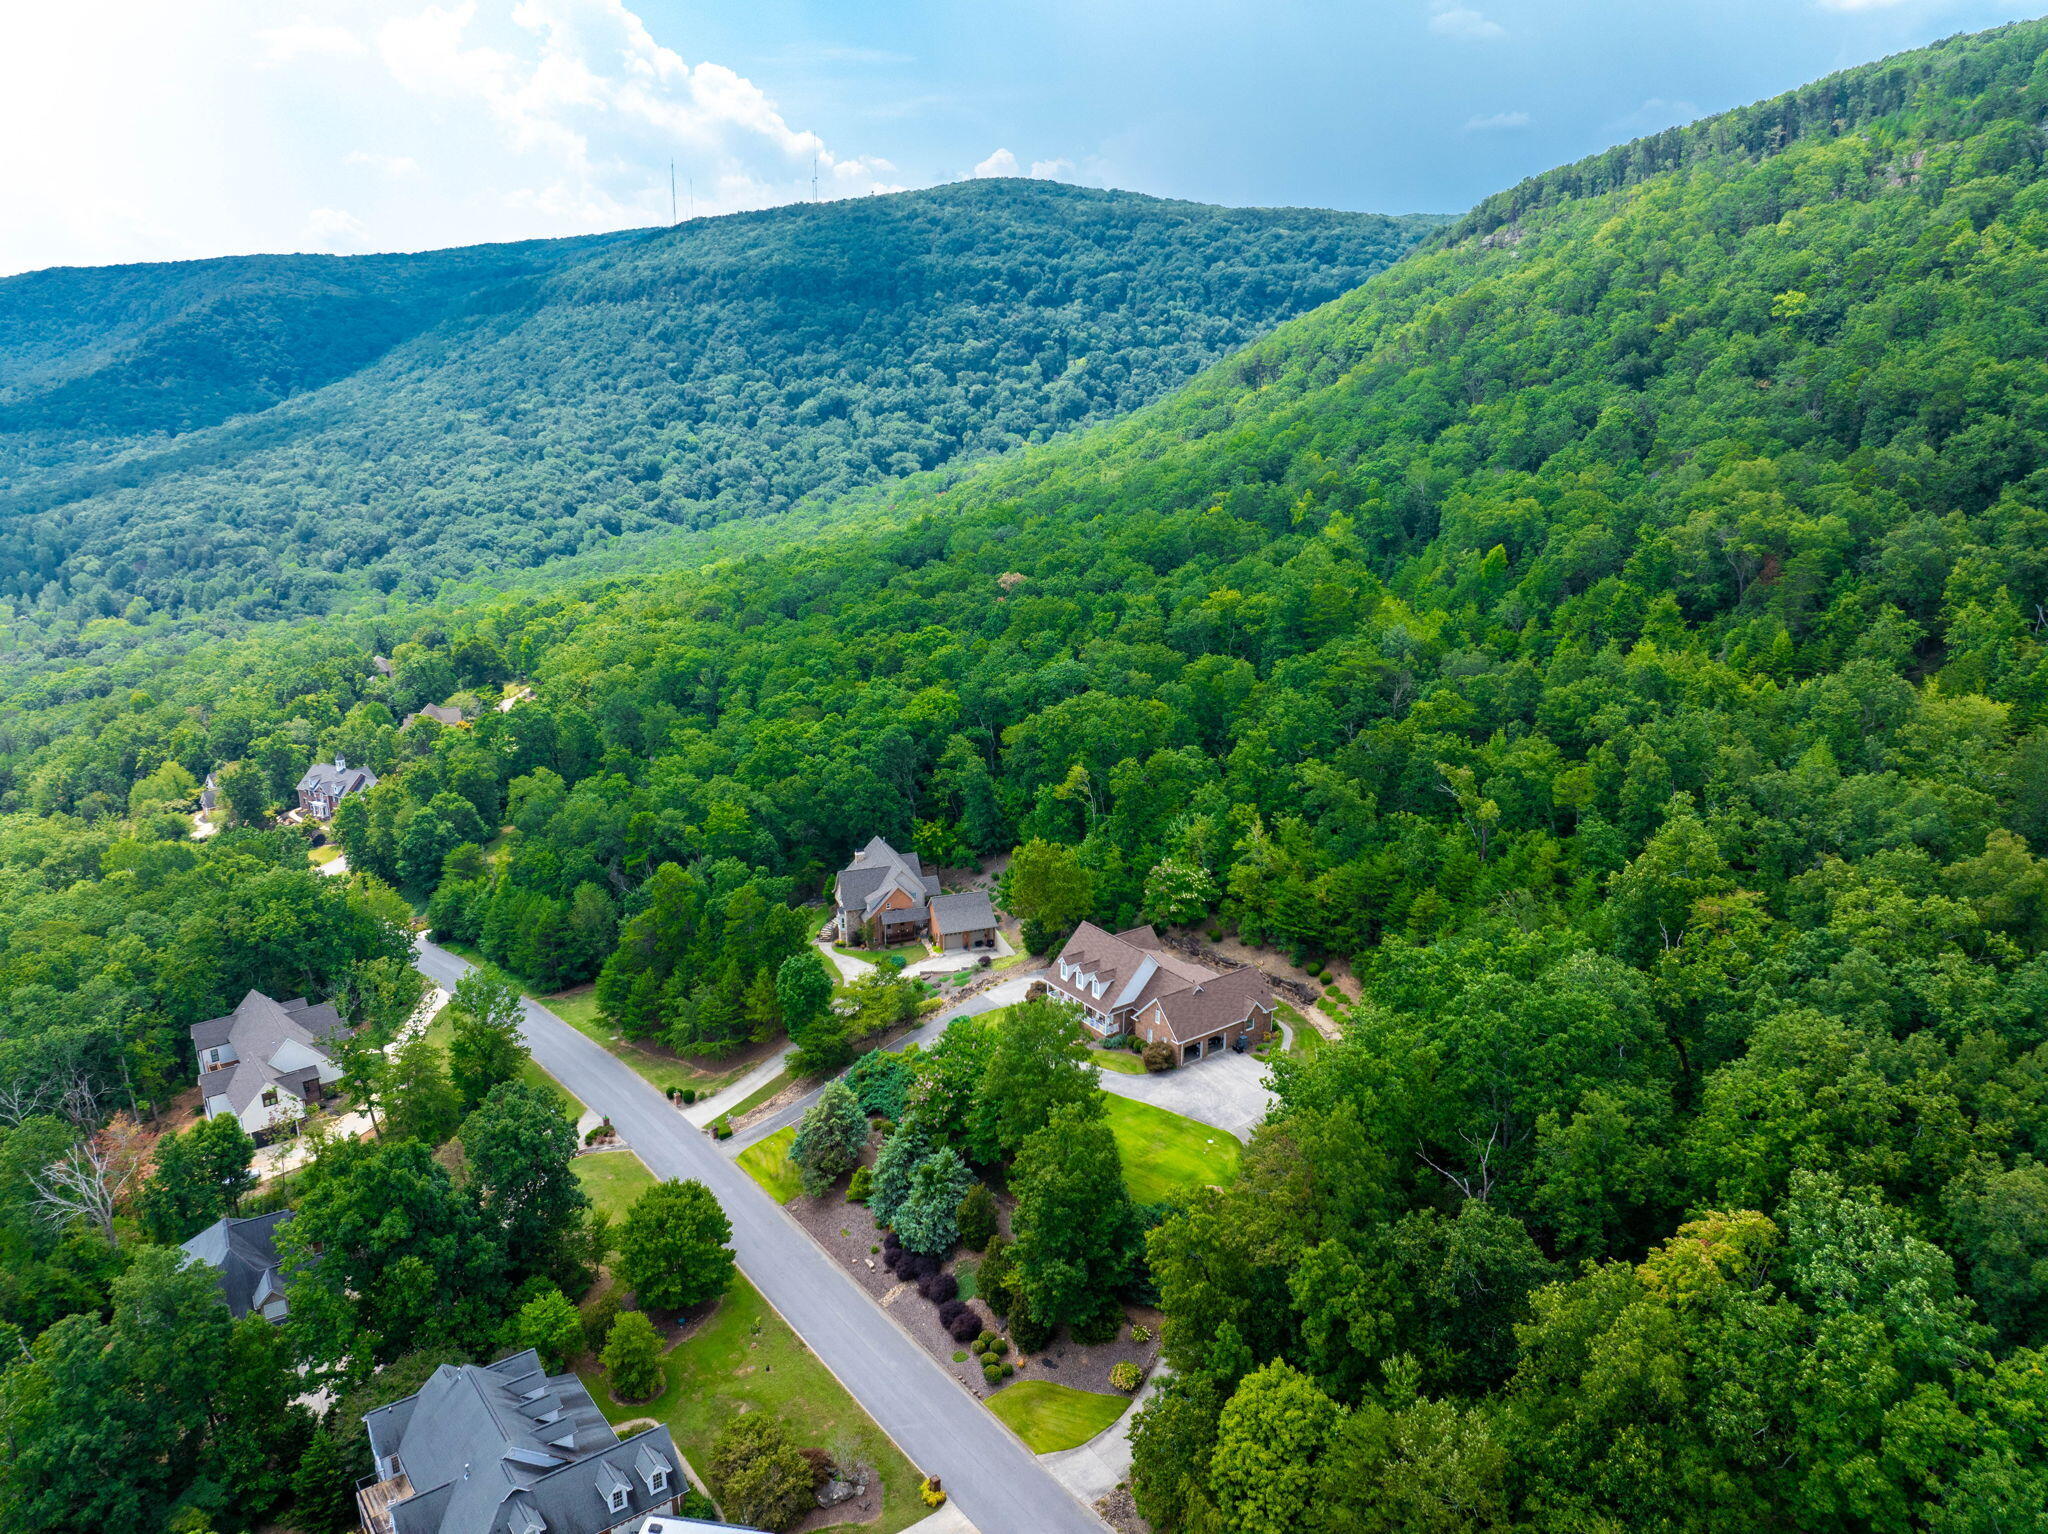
[945,1431]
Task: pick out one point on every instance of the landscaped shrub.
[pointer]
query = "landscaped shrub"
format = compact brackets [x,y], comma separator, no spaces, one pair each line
[999,1345]
[923,1265]
[1140,1332]
[891,1241]
[985,1339]
[991,1373]
[993,1282]
[821,1466]
[1008,1370]
[949,1312]
[899,1262]
[632,1357]
[859,1186]
[689,1094]
[721,1129]
[1158,1056]
[1126,1377]
[1026,1330]
[939,1288]
[977,1215]
[966,1325]
[597,1321]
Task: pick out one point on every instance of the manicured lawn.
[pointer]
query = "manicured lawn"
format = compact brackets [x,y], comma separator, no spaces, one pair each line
[439,1032]
[1307,1039]
[324,855]
[1119,1060]
[613,1179]
[1165,1154]
[1050,1417]
[769,1165]
[968,1271]
[744,1358]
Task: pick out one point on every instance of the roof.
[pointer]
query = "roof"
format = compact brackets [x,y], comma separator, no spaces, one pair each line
[1109,971]
[440,713]
[878,870]
[507,1448]
[244,1253]
[336,778]
[970,912]
[255,1031]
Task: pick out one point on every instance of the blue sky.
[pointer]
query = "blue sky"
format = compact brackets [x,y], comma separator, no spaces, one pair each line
[143,131]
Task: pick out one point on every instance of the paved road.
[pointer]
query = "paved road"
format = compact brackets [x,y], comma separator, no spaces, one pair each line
[944,1430]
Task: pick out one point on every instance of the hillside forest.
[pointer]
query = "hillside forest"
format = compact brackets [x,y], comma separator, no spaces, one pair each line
[1614,631]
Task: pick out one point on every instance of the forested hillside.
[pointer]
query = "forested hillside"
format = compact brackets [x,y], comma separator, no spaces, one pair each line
[473,412]
[1615,630]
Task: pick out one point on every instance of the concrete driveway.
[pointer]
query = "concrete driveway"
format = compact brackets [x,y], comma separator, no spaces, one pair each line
[1227,1090]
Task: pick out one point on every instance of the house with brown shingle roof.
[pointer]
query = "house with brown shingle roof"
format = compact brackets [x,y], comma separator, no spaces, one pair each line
[1131,982]
[883,896]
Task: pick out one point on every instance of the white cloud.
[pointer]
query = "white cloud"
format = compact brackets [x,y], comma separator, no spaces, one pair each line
[335,230]
[168,132]
[393,165]
[1004,163]
[1494,121]
[1449,18]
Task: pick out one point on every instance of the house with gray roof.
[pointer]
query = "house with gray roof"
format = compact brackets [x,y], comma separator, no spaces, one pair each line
[326,784]
[1132,982]
[244,1254]
[964,921]
[266,1061]
[510,1449]
[444,714]
[883,896]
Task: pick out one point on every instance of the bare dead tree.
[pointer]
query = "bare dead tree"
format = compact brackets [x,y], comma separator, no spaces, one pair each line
[21,1101]
[89,1181]
[81,1102]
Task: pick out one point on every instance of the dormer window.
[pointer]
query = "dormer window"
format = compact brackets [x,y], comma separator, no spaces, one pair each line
[657,1481]
[616,1501]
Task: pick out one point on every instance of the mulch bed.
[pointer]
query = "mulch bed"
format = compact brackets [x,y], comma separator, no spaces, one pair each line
[847,1231]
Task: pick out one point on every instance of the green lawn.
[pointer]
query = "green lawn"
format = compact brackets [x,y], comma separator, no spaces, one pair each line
[1119,1060]
[1307,1038]
[1050,1417]
[769,1165]
[441,1028]
[613,1179]
[760,1094]
[1165,1154]
[968,1271]
[743,1358]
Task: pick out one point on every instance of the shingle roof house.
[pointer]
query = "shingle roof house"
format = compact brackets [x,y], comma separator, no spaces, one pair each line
[1131,982]
[244,1253]
[324,784]
[509,1449]
[963,921]
[883,896]
[265,1057]
[441,713]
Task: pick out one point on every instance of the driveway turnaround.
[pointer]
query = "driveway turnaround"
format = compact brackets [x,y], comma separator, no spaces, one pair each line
[944,1430]
[1228,1091]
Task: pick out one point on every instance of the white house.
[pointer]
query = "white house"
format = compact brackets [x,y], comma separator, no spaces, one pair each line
[266,1061]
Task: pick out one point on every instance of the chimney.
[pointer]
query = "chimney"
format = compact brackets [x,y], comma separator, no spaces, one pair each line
[340,762]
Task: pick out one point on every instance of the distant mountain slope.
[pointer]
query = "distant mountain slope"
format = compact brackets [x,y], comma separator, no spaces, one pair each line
[726,368]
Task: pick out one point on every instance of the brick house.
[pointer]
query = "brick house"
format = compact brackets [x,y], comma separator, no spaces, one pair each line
[1131,982]
[883,896]
[323,786]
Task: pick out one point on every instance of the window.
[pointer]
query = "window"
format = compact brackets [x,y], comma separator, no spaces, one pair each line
[658,1482]
[270,1097]
[616,1500]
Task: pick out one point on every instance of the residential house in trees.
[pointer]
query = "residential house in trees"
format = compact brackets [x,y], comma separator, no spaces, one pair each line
[1131,982]
[324,786]
[244,1254]
[267,1060]
[444,714]
[883,896]
[510,1449]
[964,921]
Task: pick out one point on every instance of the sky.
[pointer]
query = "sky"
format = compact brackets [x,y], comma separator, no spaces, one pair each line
[137,130]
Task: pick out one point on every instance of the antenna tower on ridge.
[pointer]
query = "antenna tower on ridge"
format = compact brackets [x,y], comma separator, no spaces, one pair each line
[672,220]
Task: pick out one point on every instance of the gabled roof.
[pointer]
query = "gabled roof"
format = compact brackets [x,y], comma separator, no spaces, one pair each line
[970,912]
[877,871]
[255,1031]
[490,1450]
[440,713]
[336,778]
[244,1253]
[1109,971]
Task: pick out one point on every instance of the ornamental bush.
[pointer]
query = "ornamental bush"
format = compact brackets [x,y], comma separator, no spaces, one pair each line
[966,1325]
[859,1186]
[1158,1056]
[632,1356]
[939,1288]
[991,1373]
[758,1474]
[1126,1376]
[949,1312]
[977,1218]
